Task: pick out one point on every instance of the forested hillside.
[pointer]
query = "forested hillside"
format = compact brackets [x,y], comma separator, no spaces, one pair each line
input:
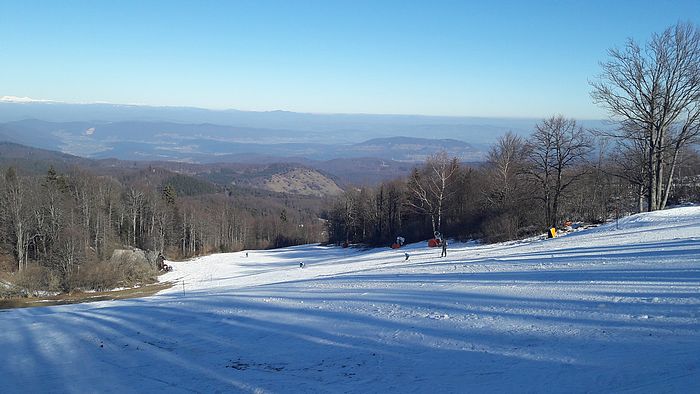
[58,229]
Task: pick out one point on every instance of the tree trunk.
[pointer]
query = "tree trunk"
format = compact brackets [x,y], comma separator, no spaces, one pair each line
[659,180]
[651,192]
[547,209]
[640,198]
[19,233]
[669,182]
[184,233]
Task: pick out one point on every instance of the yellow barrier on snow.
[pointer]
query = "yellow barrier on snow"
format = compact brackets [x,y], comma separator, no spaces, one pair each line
[552,232]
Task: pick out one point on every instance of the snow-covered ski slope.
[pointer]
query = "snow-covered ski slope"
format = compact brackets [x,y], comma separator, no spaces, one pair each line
[601,310]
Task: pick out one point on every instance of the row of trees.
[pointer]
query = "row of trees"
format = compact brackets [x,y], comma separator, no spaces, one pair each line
[61,223]
[560,173]
[501,199]
[652,93]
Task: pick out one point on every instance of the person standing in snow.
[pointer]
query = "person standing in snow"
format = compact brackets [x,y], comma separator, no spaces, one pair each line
[444,248]
[407,256]
[160,262]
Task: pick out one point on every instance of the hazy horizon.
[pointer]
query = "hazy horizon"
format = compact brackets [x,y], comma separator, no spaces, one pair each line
[12,99]
[507,59]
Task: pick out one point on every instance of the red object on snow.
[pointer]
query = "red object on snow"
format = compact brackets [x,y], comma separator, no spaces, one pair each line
[395,246]
[433,243]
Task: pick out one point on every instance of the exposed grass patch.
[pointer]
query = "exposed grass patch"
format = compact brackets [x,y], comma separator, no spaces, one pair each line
[79,297]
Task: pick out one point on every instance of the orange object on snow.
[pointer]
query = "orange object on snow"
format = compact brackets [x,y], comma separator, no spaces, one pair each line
[433,243]
[395,246]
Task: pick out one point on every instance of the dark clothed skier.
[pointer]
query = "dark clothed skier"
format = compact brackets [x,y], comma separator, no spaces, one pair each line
[444,248]
[160,262]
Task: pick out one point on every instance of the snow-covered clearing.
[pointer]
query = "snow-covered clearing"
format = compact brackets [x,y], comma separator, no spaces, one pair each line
[604,309]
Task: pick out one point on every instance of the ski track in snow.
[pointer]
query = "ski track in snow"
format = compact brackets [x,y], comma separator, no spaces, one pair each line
[599,310]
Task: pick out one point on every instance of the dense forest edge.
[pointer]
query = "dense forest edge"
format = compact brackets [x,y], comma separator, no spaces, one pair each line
[79,228]
[83,231]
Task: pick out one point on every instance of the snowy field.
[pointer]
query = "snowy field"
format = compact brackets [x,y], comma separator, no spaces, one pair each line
[600,310]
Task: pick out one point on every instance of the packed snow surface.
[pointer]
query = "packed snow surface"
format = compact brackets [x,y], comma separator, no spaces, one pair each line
[613,308]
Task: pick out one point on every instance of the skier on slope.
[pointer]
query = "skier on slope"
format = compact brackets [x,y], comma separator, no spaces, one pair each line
[444,248]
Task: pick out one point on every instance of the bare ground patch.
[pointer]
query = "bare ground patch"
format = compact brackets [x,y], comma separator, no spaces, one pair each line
[79,297]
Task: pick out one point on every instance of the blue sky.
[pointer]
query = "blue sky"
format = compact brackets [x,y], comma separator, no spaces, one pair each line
[466,58]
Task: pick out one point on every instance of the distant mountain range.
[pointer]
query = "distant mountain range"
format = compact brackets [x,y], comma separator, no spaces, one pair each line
[282,178]
[305,127]
[354,148]
[306,177]
[209,143]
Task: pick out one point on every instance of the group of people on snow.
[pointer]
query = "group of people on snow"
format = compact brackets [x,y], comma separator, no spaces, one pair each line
[437,241]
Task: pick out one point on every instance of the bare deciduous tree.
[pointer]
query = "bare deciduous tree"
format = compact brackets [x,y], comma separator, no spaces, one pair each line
[628,163]
[505,189]
[17,213]
[654,92]
[556,151]
[505,163]
[134,202]
[429,188]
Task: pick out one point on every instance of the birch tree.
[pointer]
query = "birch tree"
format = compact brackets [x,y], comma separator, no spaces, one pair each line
[429,188]
[17,213]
